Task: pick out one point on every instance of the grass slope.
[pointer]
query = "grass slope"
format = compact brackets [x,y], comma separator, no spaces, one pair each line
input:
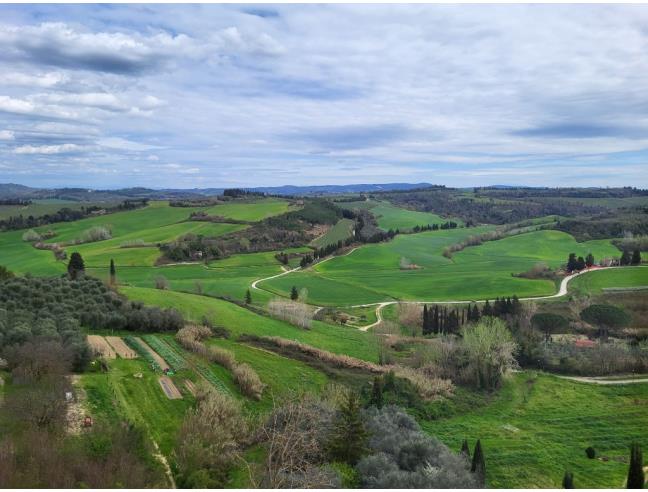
[253,212]
[240,321]
[339,232]
[372,273]
[595,282]
[535,428]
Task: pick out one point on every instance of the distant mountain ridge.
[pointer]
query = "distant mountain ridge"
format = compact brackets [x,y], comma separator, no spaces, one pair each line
[11,190]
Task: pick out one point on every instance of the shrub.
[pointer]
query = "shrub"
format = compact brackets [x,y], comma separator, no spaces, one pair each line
[31,236]
[97,233]
[590,452]
[295,313]
[405,457]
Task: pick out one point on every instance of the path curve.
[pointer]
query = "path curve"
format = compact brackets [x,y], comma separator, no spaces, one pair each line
[598,380]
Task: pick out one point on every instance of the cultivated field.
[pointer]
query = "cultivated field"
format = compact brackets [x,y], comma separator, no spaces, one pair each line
[123,350]
[100,346]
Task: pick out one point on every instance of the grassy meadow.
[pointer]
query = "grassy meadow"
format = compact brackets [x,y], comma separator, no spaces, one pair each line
[538,426]
[373,273]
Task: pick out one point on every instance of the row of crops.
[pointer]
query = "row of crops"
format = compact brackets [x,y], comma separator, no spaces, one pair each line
[133,343]
[201,368]
[173,357]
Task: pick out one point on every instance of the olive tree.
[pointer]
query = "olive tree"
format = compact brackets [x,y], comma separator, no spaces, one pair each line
[605,317]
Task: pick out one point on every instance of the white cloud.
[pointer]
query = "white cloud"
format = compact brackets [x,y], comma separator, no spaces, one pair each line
[48,79]
[7,135]
[49,149]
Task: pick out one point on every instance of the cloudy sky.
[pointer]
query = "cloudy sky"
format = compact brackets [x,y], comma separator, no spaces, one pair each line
[259,95]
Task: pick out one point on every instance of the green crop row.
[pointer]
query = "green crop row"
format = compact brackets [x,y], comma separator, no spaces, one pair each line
[142,352]
[172,357]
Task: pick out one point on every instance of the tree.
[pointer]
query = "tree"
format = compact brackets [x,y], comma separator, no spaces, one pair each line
[76,267]
[112,272]
[580,263]
[478,464]
[568,480]
[294,295]
[489,351]
[626,259]
[636,257]
[487,310]
[549,323]
[426,320]
[377,392]
[636,478]
[349,437]
[465,449]
[248,297]
[605,317]
[589,260]
[572,263]
[5,274]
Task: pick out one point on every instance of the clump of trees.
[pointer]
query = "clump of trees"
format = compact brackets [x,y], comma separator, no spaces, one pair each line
[294,312]
[211,440]
[606,318]
[403,456]
[68,304]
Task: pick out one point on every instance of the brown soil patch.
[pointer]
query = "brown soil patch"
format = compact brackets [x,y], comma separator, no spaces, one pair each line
[170,389]
[75,411]
[161,362]
[123,350]
[101,347]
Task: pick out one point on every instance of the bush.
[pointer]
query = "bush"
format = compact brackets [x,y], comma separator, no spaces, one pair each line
[97,233]
[590,452]
[31,236]
[405,457]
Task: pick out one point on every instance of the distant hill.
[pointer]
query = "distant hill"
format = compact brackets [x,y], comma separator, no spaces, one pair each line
[10,190]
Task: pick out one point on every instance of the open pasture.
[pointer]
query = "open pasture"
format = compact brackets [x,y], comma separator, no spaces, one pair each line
[391,217]
[43,207]
[372,273]
[252,212]
[595,282]
[537,427]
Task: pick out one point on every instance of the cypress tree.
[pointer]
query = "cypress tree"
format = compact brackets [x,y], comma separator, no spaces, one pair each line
[636,257]
[487,310]
[112,272]
[76,267]
[625,258]
[636,477]
[248,297]
[478,464]
[568,480]
[377,392]
[465,450]
[294,295]
[349,436]
[426,323]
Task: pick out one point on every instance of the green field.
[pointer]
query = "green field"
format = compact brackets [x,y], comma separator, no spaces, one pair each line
[595,282]
[535,428]
[253,212]
[392,217]
[373,273]
[238,320]
[342,230]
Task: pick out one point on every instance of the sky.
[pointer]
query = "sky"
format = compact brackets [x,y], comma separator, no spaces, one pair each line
[195,96]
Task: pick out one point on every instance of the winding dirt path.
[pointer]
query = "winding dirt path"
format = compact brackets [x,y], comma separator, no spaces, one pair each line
[603,381]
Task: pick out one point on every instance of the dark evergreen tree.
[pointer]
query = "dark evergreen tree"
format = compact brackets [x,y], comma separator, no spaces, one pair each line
[76,267]
[572,263]
[436,324]
[248,297]
[636,257]
[580,263]
[348,441]
[487,309]
[515,305]
[377,392]
[568,480]
[636,478]
[294,295]
[475,313]
[589,260]
[112,272]
[478,463]
[626,259]
[426,322]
